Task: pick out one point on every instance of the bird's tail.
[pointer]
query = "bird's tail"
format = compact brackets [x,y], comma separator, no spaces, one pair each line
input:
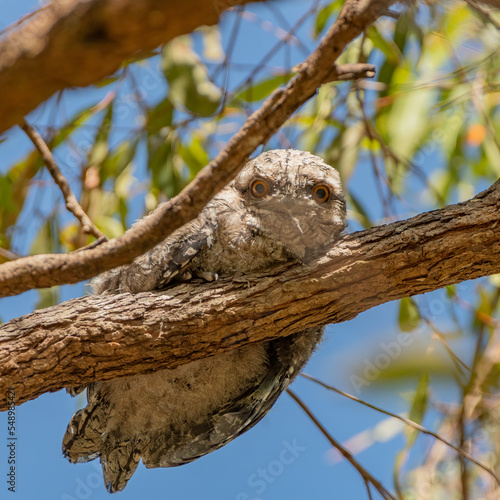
[119,462]
[86,438]
[82,441]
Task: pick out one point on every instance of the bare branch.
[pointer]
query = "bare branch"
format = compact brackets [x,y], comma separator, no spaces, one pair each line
[354,71]
[367,477]
[346,71]
[107,336]
[49,270]
[71,202]
[406,421]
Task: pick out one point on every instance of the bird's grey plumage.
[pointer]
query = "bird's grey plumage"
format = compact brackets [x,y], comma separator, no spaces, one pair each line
[284,205]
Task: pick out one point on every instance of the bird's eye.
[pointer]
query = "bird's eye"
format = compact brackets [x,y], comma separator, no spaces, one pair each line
[259,188]
[321,193]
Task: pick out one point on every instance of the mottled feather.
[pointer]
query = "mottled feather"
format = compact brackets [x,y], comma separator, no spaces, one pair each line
[284,205]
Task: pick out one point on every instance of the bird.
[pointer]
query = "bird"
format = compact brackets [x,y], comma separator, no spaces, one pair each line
[284,205]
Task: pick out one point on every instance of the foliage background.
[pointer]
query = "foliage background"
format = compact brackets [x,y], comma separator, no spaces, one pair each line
[422,134]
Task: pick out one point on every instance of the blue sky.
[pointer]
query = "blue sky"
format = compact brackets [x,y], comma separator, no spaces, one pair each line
[284,456]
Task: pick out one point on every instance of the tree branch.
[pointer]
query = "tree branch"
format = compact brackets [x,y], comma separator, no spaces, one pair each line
[74,43]
[107,336]
[71,202]
[364,473]
[492,3]
[48,270]
[408,422]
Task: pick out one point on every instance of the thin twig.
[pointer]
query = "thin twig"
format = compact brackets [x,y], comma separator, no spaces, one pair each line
[7,254]
[487,319]
[464,475]
[459,364]
[367,477]
[411,423]
[94,244]
[71,202]
[484,13]
[368,491]
[271,53]
[376,170]
[455,359]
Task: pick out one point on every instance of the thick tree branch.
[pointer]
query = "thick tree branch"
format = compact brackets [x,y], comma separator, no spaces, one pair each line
[74,43]
[49,270]
[102,337]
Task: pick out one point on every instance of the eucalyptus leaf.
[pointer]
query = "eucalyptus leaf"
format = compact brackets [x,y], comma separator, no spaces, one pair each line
[189,85]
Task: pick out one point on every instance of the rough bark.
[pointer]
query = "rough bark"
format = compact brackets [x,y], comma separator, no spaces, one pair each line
[492,3]
[102,337]
[74,43]
[48,270]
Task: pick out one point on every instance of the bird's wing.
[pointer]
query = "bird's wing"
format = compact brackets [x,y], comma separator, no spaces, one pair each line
[82,440]
[155,269]
[236,417]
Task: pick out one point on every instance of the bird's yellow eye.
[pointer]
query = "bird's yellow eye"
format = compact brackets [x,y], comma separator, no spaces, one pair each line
[259,188]
[321,193]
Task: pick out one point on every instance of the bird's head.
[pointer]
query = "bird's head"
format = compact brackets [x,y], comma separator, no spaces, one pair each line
[295,198]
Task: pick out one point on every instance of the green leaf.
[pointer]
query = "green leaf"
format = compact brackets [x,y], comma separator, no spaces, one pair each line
[47,239]
[43,240]
[195,155]
[359,212]
[349,141]
[160,116]
[409,317]
[14,187]
[111,226]
[323,15]
[99,150]
[189,85]
[401,36]
[418,407]
[387,46]
[399,462]
[118,160]
[262,89]
[47,297]
[212,43]
[407,131]
[169,174]
[105,126]
[75,123]
[107,81]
